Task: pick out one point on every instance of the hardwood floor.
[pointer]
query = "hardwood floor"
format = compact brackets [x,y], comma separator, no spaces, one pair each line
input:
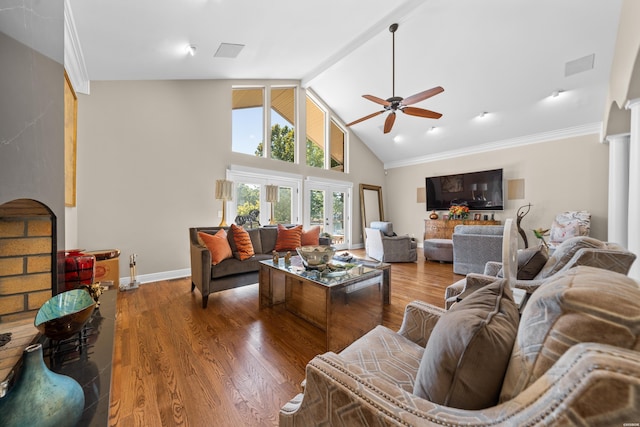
[231,364]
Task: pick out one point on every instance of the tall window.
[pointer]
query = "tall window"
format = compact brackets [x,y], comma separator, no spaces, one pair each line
[247,120]
[282,212]
[247,198]
[336,147]
[283,123]
[315,134]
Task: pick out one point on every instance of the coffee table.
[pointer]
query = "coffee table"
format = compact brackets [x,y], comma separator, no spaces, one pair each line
[345,305]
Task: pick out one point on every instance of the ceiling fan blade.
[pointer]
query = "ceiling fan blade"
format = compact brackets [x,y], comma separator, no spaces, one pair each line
[420,112]
[388,124]
[362,119]
[377,100]
[422,95]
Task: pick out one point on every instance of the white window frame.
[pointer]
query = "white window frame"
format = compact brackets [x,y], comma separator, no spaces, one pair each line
[312,183]
[328,117]
[265,177]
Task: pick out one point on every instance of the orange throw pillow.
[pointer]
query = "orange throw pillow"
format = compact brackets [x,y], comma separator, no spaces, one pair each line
[243,242]
[311,237]
[288,238]
[217,244]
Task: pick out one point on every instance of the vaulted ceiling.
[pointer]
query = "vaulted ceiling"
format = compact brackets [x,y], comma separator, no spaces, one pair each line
[503,57]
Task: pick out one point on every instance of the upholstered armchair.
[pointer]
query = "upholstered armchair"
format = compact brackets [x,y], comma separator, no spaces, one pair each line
[534,266]
[481,364]
[474,246]
[384,245]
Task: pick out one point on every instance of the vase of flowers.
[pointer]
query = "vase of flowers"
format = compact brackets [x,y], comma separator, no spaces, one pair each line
[459,211]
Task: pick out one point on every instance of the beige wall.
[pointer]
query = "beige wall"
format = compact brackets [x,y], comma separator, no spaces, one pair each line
[568,174]
[149,153]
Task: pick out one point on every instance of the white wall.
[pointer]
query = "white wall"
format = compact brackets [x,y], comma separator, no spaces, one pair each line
[149,153]
[567,174]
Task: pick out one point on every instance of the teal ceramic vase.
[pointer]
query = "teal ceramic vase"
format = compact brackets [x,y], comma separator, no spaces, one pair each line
[41,397]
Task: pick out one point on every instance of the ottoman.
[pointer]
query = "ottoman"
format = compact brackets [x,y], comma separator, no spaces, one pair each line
[438,250]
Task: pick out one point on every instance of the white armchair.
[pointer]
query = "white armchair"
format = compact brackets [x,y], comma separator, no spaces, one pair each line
[384,245]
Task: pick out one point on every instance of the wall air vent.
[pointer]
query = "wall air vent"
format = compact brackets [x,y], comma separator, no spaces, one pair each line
[579,65]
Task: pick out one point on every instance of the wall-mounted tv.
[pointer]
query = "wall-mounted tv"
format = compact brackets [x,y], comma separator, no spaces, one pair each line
[478,190]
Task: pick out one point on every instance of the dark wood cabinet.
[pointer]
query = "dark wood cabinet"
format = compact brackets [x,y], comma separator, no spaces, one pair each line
[443,228]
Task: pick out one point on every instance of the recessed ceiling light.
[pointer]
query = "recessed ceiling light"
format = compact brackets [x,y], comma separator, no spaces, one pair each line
[191,49]
[432,129]
[228,50]
[556,93]
[483,114]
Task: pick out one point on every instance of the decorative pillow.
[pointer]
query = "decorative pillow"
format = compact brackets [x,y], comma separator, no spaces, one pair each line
[567,249]
[217,244]
[466,357]
[311,236]
[582,304]
[561,232]
[288,238]
[531,261]
[243,243]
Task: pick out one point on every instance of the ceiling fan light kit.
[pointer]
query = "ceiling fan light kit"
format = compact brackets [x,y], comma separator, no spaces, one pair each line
[397,103]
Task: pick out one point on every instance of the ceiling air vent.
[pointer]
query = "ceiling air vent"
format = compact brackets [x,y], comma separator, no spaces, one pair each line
[579,65]
[228,50]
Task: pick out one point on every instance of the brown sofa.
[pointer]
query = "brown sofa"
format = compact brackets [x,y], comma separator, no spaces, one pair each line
[574,360]
[230,273]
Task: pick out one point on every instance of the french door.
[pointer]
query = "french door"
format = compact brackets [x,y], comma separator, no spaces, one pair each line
[328,205]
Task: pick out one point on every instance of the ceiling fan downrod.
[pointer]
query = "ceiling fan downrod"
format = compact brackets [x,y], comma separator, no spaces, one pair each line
[393,28]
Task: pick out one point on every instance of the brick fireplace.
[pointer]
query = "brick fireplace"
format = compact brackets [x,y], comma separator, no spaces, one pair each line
[27,258]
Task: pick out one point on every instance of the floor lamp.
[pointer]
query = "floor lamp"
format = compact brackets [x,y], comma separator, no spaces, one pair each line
[224,192]
[272,197]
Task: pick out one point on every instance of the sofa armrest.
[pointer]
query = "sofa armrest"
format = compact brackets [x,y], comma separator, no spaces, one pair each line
[491,268]
[200,263]
[568,391]
[418,322]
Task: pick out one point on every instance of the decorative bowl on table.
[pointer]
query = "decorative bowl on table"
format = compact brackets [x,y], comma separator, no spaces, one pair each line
[316,256]
[64,314]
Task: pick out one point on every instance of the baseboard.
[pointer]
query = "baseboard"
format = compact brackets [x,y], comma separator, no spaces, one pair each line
[156,277]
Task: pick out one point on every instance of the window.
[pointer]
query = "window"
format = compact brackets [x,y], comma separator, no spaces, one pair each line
[251,194]
[283,123]
[315,134]
[336,147]
[247,121]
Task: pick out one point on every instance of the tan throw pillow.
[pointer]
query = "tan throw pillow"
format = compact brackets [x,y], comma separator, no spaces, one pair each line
[466,357]
[310,237]
[217,245]
[243,243]
[288,238]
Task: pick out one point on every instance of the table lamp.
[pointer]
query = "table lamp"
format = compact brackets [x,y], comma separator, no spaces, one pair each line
[272,197]
[224,192]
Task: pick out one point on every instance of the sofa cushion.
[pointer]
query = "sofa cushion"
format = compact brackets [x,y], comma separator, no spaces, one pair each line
[310,237]
[567,249]
[582,304]
[466,357]
[217,245]
[244,247]
[288,238]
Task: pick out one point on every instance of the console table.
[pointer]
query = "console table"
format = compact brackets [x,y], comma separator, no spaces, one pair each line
[443,228]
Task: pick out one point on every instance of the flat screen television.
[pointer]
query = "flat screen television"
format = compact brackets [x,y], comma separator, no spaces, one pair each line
[478,190]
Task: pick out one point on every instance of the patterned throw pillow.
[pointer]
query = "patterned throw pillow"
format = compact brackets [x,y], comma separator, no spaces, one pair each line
[243,243]
[562,232]
[217,244]
[468,351]
[288,238]
[311,236]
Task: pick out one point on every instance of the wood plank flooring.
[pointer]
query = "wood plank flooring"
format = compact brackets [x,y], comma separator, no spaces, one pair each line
[232,364]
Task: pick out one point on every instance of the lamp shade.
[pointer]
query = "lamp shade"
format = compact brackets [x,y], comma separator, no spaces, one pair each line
[272,193]
[224,189]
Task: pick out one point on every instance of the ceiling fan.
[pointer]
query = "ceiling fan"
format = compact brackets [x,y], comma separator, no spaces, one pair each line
[396,103]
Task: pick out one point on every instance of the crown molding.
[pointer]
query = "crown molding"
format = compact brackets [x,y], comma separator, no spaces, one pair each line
[73,58]
[571,132]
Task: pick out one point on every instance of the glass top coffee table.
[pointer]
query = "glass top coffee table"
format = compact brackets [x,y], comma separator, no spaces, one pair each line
[345,304]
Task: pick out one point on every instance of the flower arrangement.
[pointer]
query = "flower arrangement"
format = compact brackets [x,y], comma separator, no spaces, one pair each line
[459,210]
